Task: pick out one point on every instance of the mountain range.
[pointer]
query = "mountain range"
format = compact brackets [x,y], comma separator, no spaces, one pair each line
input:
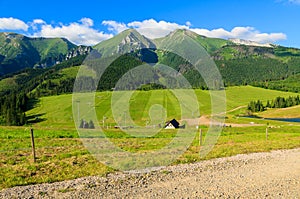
[240,62]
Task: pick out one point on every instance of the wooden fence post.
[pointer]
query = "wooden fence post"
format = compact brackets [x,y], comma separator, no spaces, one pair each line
[32,145]
[200,139]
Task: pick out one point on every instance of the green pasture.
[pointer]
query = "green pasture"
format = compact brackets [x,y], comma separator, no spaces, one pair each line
[56,111]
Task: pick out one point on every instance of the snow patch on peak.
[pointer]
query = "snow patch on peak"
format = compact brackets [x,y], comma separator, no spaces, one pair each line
[251,43]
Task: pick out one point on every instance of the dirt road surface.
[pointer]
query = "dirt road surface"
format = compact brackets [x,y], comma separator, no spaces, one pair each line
[273,174]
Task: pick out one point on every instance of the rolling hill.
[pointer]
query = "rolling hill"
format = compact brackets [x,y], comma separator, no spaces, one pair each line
[140,106]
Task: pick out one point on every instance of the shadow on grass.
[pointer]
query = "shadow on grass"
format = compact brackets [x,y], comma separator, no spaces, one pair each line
[36,118]
[32,104]
[33,119]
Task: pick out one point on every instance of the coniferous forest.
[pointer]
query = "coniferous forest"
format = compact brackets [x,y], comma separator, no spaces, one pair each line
[279,102]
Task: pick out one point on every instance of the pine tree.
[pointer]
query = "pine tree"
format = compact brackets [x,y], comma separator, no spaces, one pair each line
[91,125]
[81,123]
[85,125]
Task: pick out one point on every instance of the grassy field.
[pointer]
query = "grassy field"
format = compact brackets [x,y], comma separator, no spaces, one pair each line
[61,154]
[56,111]
[291,112]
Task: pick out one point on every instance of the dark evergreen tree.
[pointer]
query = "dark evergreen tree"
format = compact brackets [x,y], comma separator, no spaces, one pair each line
[91,124]
[81,123]
[85,125]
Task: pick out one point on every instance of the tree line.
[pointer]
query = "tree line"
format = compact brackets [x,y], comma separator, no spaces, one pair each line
[15,102]
[13,108]
[278,102]
[86,125]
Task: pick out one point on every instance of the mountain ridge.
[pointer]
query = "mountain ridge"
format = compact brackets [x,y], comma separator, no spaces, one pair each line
[127,41]
[237,63]
[19,51]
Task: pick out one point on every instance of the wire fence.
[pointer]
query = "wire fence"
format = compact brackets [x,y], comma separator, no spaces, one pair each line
[38,148]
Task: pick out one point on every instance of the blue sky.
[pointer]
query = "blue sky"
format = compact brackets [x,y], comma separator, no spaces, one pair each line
[89,22]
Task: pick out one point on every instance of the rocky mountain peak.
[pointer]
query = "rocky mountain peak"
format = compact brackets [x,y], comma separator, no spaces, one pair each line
[80,50]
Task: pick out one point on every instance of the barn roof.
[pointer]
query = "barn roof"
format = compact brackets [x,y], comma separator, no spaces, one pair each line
[174,123]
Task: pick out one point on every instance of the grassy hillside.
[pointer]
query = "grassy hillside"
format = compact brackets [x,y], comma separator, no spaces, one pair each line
[29,80]
[291,112]
[12,51]
[209,44]
[141,101]
[52,47]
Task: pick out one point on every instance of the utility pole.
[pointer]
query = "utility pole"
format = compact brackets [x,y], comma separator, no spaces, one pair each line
[32,145]
[103,119]
[78,103]
[200,137]
[124,118]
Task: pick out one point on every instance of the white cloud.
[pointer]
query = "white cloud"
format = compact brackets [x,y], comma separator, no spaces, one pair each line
[155,29]
[83,32]
[114,26]
[87,22]
[150,28]
[38,21]
[35,23]
[12,24]
[247,33]
[78,33]
[188,23]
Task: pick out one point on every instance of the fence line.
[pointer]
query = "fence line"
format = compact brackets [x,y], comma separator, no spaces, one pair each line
[45,147]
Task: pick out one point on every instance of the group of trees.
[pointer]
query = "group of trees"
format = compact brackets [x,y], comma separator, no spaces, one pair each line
[15,102]
[256,106]
[86,125]
[279,102]
[116,70]
[13,108]
[247,71]
[290,84]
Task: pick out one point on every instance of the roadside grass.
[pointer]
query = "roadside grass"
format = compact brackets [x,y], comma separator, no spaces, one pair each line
[58,158]
[66,158]
[244,140]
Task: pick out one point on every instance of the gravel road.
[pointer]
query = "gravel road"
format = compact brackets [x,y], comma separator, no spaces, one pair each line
[274,174]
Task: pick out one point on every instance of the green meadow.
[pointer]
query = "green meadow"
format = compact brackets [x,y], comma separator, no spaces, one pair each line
[61,154]
[56,111]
